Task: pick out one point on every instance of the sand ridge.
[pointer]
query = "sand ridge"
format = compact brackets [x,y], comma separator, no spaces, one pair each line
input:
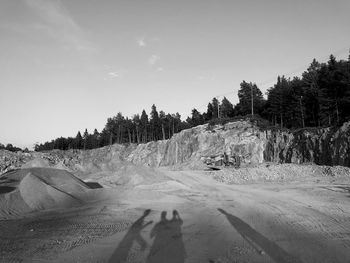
[35,189]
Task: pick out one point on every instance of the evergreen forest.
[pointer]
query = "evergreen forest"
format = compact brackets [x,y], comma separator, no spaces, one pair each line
[320,97]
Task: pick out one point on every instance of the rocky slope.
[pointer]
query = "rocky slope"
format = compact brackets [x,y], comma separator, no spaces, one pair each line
[239,142]
[327,146]
[249,144]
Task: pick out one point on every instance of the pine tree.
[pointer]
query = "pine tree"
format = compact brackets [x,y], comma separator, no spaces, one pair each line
[155,123]
[250,98]
[119,127]
[196,119]
[144,126]
[104,138]
[226,108]
[215,105]
[85,139]
[312,93]
[334,92]
[163,122]
[137,122]
[129,127]
[78,141]
[177,122]
[170,122]
[296,103]
[210,112]
[95,139]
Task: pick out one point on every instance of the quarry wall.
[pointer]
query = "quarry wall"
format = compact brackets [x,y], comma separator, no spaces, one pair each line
[326,146]
[193,147]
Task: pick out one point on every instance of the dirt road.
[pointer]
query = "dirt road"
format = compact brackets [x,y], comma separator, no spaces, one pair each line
[190,217]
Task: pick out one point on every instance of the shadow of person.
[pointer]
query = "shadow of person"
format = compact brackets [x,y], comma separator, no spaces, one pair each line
[168,245]
[258,241]
[134,234]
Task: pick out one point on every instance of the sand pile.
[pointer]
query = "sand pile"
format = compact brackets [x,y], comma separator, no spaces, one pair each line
[34,189]
[127,175]
[37,162]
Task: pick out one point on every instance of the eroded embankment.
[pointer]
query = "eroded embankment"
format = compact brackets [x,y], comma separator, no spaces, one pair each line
[237,142]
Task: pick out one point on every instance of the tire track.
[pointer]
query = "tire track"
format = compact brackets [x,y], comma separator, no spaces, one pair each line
[303,222]
[44,238]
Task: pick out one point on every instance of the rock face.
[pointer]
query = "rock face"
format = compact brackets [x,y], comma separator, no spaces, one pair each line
[195,145]
[321,146]
[240,140]
[253,146]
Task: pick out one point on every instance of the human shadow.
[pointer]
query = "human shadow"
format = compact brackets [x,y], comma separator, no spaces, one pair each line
[168,245]
[134,234]
[258,241]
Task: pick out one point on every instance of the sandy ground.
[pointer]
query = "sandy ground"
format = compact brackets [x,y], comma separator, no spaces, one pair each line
[187,216]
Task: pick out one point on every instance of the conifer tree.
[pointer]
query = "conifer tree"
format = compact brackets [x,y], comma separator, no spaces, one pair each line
[210,112]
[78,141]
[155,123]
[196,119]
[215,107]
[163,122]
[137,122]
[226,108]
[85,139]
[250,98]
[144,126]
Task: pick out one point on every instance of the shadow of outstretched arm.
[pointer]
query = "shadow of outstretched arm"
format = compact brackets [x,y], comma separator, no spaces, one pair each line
[176,216]
[148,223]
[252,236]
[134,234]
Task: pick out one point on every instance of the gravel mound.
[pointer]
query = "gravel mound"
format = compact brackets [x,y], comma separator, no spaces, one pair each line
[37,162]
[39,189]
[40,195]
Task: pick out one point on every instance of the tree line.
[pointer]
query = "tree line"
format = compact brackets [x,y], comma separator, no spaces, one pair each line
[119,129]
[320,97]
[11,148]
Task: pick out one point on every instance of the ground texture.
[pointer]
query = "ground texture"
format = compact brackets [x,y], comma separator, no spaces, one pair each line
[182,216]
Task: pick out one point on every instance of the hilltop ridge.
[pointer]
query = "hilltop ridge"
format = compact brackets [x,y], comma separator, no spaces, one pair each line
[240,141]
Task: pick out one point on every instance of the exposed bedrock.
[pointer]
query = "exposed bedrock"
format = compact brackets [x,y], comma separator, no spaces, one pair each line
[238,140]
[327,146]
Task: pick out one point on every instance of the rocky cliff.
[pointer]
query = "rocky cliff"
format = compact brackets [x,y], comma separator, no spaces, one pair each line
[240,140]
[327,146]
[194,146]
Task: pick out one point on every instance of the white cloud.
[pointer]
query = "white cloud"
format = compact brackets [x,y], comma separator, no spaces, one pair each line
[160,69]
[141,42]
[59,24]
[114,74]
[153,59]
[155,39]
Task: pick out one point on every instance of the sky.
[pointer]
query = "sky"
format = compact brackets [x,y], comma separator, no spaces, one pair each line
[67,65]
